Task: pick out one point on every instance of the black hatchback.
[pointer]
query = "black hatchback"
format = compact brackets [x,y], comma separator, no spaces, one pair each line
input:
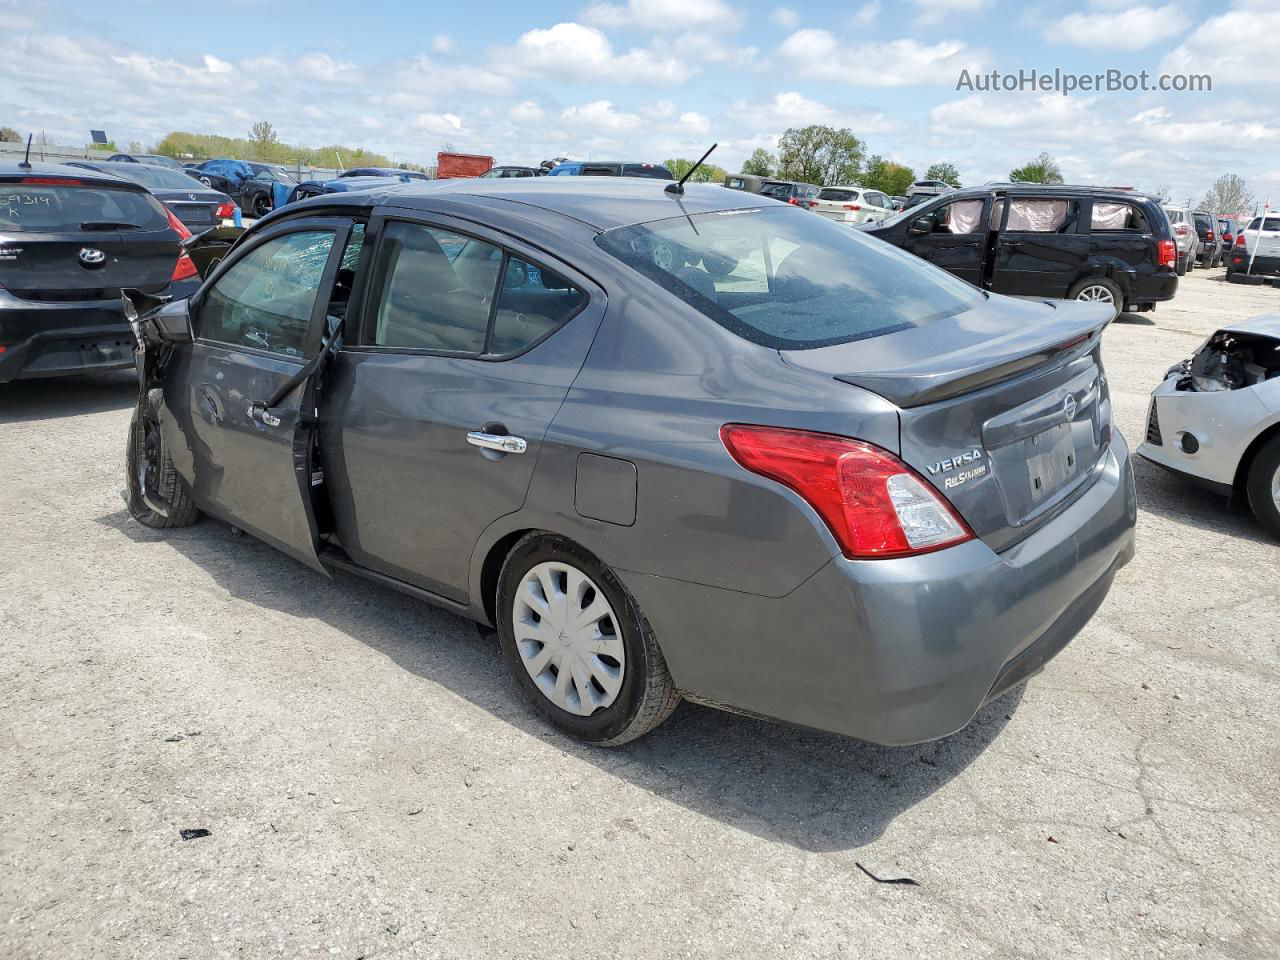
[1106,245]
[70,239]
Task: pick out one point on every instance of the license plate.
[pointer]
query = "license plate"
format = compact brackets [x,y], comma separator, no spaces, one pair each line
[1051,461]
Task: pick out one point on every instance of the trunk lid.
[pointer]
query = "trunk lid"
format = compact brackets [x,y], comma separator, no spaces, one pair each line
[195,208]
[1003,409]
[66,239]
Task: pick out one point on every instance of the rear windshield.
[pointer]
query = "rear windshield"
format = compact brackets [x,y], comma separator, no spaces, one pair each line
[152,177]
[777,190]
[1273,223]
[650,170]
[786,279]
[49,208]
[838,195]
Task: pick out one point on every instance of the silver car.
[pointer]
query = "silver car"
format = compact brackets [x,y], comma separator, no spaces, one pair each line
[671,444]
[1216,416]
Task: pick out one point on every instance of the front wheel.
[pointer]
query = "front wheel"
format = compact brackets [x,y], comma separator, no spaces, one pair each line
[260,205]
[1263,486]
[580,650]
[1098,290]
[158,497]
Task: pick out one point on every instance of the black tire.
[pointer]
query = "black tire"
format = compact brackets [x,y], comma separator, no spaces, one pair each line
[647,695]
[1263,473]
[1117,297]
[260,205]
[1182,266]
[147,462]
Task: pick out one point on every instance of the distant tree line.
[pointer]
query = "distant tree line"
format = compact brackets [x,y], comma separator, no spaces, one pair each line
[263,145]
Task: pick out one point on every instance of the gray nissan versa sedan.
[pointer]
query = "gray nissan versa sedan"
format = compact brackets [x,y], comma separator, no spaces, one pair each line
[703,445]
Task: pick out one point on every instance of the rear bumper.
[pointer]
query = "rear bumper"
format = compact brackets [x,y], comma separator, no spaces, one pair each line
[1262,266]
[900,651]
[51,339]
[1153,287]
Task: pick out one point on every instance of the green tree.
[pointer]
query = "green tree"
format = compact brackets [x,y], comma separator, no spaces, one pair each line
[1228,196]
[761,163]
[819,154]
[946,172]
[264,133]
[887,176]
[707,173]
[185,144]
[10,135]
[1043,169]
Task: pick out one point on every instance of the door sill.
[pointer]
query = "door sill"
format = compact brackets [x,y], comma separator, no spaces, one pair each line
[335,558]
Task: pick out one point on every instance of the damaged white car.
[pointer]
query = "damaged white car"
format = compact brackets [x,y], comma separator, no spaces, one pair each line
[1216,417]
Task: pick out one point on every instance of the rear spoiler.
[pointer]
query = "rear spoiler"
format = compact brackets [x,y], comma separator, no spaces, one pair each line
[1068,334]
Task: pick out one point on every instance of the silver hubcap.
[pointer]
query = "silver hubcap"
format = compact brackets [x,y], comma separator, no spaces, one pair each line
[568,638]
[1097,294]
[1275,487]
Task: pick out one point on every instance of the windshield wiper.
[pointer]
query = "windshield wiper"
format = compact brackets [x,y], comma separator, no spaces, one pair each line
[107,225]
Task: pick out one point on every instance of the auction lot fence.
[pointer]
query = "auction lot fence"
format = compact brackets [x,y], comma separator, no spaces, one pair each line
[58,153]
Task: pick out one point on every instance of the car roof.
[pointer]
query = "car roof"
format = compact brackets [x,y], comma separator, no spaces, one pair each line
[12,168]
[1265,324]
[1051,189]
[599,202]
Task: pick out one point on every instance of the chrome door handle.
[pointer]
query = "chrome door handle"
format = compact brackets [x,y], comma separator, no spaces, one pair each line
[495,441]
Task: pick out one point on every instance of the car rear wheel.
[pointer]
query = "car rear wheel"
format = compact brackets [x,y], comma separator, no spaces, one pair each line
[1098,290]
[1182,265]
[158,497]
[1263,486]
[579,648]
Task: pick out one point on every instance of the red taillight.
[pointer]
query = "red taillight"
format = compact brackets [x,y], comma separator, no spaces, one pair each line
[792,201]
[3,348]
[178,226]
[1168,251]
[53,181]
[226,211]
[185,268]
[853,206]
[1240,239]
[873,503]
[1208,236]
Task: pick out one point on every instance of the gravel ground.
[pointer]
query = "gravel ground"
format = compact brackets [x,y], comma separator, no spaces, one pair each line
[373,786]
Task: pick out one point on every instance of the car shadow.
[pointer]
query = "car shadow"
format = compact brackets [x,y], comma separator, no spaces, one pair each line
[22,401]
[812,790]
[1135,319]
[1182,501]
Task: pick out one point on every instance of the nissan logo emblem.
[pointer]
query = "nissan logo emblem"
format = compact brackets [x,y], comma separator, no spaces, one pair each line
[91,257]
[1069,407]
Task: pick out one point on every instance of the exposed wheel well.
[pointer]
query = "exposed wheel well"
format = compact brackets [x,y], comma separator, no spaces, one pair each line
[490,570]
[1246,461]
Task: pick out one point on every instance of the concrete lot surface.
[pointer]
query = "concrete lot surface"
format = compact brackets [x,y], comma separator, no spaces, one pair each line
[373,786]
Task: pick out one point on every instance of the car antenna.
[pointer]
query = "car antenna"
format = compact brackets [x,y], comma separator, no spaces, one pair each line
[26,161]
[677,188]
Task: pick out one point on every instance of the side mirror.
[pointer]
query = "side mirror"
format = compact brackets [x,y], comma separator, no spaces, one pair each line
[173,321]
[922,225]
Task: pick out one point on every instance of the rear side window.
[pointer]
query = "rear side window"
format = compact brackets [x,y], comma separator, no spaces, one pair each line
[1271,224]
[435,289]
[265,299]
[779,191]
[1036,215]
[1116,216]
[604,170]
[789,280]
[54,208]
[651,170]
[532,302]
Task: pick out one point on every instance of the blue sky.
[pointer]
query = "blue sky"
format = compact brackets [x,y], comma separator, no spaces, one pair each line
[651,79]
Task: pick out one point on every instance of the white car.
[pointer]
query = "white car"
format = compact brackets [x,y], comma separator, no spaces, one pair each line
[1259,242]
[1186,238]
[1216,417]
[852,205]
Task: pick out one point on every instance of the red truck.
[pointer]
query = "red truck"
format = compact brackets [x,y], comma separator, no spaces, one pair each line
[449,165]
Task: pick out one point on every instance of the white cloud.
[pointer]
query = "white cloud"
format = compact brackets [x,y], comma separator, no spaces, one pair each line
[818,54]
[1129,29]
[526,112]
[694,122]
[938,11]
[442,43]
[1230,47]
[792,109]
[600,115]
[867,13]
[664,15]
[442,124]
[785,17]
[577,52]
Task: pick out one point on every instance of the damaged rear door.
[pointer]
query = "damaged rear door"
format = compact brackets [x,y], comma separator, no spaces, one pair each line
[243,396]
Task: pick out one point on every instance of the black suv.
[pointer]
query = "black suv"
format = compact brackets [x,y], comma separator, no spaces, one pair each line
[1080,243]
[1210,238]
[69,240]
